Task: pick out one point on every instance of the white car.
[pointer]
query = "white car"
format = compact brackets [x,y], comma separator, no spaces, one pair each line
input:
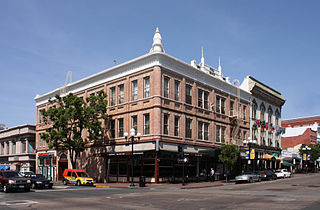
[283,173]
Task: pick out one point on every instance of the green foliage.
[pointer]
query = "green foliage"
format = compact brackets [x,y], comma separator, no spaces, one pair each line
[314,152]
[69,117]
[229,154]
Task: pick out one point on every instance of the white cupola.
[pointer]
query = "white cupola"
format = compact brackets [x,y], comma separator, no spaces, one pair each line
[157,43]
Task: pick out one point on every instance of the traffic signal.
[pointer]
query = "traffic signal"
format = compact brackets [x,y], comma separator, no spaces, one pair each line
[180,151]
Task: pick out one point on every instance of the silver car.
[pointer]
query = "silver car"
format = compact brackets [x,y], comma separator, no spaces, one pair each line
[248,177]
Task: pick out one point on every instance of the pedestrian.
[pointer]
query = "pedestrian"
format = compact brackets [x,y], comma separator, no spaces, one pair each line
[211,175]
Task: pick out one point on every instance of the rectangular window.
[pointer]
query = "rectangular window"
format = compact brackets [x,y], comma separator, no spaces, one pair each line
[146,129]
[166,87]
[134,90]
[112,96]
[244,112]
[188,94]
[134,120]
[188,128]
[218,136]
[40,141]
[206,131]
[223,107]
[121,94]
[23,147]
[200,100]
[223,131]
[165,124]
[176,125]
[112,129]
[41,117]
[147,87]
[120,127]
[231,108]
[218,104]
[206,100]
[176,90]
[200,130]
[13,148]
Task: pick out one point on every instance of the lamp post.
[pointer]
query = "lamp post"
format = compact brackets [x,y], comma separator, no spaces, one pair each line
[132,135]
[249,143]
[305,150]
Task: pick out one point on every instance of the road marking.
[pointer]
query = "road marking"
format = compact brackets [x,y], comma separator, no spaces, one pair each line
[18,202]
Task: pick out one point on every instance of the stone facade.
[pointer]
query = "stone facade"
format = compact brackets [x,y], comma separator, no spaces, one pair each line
[17,148]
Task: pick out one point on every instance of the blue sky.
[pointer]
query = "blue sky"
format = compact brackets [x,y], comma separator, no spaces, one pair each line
[277,42]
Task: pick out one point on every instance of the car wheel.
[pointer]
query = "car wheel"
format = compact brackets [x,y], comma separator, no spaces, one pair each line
[259,180]
[251,180]
[78,183]
[65,182]
[27,189]
[5,189]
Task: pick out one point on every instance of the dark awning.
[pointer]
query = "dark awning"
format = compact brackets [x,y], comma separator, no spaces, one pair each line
[285,163]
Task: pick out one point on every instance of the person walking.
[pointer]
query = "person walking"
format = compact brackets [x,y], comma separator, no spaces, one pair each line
[211,175]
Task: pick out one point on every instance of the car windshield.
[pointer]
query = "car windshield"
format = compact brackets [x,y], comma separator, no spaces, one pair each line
[82,174]
[12,174]
[246,173]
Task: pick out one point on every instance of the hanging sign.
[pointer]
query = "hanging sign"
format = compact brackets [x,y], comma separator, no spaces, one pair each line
[252,154]
[304,157]
[246,154]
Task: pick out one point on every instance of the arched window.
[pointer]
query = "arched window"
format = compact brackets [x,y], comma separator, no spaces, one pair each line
[270,112]
[277,117]
[254,109]
[262,111]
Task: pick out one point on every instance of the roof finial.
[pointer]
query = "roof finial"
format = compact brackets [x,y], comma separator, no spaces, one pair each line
[202,58]
[157,42]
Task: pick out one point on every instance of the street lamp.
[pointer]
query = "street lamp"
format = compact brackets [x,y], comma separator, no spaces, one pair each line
[305,150]
[132,135]
[248,143]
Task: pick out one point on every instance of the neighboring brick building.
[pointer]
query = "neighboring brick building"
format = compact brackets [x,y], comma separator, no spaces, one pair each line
[300,131]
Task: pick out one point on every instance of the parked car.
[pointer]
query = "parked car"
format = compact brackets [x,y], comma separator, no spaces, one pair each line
[267,175]
[77,177]
[26,173]
[283,173]
[39,181]
[13,180]
[248,177]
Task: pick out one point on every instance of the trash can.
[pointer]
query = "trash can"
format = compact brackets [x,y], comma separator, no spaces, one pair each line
[142,181]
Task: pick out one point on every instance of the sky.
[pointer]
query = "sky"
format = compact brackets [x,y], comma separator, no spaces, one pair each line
[276,42]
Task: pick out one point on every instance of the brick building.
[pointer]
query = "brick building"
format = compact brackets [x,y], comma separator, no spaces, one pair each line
[170,103]
[300,131]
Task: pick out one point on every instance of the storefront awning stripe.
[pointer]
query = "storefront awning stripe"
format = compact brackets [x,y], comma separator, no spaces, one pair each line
[5,167]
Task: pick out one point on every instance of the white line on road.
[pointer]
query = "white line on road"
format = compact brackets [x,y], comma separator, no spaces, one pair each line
[18,202]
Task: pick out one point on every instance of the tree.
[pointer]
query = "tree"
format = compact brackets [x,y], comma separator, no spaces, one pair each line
[314,152]
[229,156]
[70,117]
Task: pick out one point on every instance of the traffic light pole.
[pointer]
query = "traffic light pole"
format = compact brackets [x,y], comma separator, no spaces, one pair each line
[183,183]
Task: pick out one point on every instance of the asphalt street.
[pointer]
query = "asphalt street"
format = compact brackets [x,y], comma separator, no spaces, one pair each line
[300,192]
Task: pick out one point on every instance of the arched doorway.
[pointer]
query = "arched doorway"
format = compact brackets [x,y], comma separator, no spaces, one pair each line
[63,164]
